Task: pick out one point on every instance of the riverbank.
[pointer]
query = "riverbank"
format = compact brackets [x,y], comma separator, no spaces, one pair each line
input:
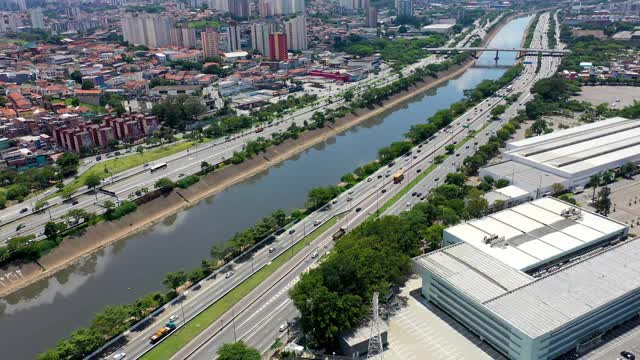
[103,234]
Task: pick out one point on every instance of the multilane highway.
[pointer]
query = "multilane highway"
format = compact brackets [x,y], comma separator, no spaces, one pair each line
[258,323]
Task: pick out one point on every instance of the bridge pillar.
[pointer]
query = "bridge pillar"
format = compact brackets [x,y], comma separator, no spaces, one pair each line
[497,57]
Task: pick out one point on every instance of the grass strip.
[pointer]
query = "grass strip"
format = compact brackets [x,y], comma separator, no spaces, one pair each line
[177,340]
[124,163]
[406,189]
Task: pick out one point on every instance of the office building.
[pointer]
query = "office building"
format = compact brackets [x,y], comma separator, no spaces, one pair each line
[296,31]
[568,157]
[351,4]
[371,15]
[278,46]
[72,12]
[233,36]
[152,30]
[239,8]
[8,23]
[538,280]
[183,37]
[37,19]
[404,7]
[260,37]
[210,43]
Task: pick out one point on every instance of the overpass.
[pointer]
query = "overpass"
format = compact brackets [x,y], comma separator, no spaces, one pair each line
[521,51]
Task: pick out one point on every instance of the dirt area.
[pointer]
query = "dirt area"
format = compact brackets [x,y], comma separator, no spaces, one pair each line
[561,122]
[609,94]
[625,201]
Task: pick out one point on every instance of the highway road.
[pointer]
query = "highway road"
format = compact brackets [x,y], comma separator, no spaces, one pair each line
[258,323]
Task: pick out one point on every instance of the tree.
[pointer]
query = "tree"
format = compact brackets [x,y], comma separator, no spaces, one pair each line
[456,179]
[78,215]
[76,76]
[502,183]
[628,169]
[476,204]
[173,280]
[140,149]
[557,188]
[92,181]
[75,102]
[450,148]
[594,181]
[603,202]
[87,85]
[205,166]
[40,204]
[165,184]
[68,163]
[238,351]
[53,229]
[67,192]
[320,196]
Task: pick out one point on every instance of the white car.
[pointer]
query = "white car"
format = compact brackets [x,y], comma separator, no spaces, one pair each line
[173,318]
[284,327]
[229,274]
[317,222]
[314,255]
[119,356]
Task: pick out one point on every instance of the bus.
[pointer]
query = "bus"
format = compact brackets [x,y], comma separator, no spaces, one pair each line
[398,177]
[157,167]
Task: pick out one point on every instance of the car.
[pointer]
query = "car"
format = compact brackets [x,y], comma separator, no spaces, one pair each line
[418,151]
[415,156]
[314,255]
[21,226]
[369,180]
[292,231]
[349,198]
[317,222]
[419,195]
[383,191]
[419,146]
[408,203]
[173,318]
[75,202]
[380,176]
[436,179]
[475,143]
[628,355]
[457,154]
[229,274]
[119,356]
[387,175]
[358,209]
[181,175]
[414,193]
[350,192]
[334,201]
[145,165]
[24,210]
[466,147]
[284,327]
[455,142]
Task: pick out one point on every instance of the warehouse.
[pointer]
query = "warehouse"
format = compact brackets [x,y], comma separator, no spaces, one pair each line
[569,157]
[534,291]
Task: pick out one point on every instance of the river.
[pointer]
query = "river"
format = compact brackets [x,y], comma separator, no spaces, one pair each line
[34,318]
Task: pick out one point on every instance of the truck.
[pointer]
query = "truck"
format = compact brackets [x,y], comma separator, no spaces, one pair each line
[509,88]
[162,332]
[578,189]
[398,177]
[338,234]
[259,130]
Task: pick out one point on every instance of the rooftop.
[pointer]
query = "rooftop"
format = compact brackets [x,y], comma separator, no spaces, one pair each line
[581,150]
[532,234]
[552,301]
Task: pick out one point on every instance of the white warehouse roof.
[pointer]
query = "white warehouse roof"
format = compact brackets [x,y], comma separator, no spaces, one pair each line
[579,152]
[552,301]
[534,233]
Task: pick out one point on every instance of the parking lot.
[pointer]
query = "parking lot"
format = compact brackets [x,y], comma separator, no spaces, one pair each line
[421,331]
[626,337]
[625,201]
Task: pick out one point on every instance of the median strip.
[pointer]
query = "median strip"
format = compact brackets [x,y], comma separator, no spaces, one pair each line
[182,336]
[406,189]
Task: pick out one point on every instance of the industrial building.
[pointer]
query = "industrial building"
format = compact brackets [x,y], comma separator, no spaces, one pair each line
[568,157]
[536,281]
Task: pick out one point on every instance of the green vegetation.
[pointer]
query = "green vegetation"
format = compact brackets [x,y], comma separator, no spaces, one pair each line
[117,165]
[176,341]
[530,31]
[146,8]
[114,213]
[399,52]
[176,111]
[551,34]
[238,351]
[187,181]
[202,24]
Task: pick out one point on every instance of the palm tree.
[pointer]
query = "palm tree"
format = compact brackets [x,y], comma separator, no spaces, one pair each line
[595,181]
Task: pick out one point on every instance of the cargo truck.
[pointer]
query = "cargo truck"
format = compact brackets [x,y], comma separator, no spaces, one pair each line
[162,332]
[338,234]
[398,177]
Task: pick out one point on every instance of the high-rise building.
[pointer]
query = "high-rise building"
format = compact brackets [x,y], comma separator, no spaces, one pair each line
[404,7]
[37,19]
[72,12]
[297,6]
[260,37]
[233,36]
[296,31]
[278,45]
[265,8]
[183,37]
[220,5]
[351,4]
[210,43]
[152,30]
[371,16]
[8,23]
[239,8]
[22,4]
